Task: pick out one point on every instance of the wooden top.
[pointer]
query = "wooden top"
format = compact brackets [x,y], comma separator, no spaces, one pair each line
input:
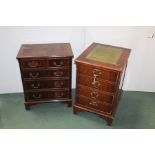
[101,55]
[45,50]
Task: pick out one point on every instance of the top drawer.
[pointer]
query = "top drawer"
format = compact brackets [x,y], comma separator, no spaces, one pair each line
[34,63]
[58,62]
[100,73]
[44,63]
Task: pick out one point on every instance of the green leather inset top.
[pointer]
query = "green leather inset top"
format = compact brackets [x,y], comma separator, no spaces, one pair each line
[105,54]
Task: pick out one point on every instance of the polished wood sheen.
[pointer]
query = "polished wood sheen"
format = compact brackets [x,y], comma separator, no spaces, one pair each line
[46,71]
[98,83]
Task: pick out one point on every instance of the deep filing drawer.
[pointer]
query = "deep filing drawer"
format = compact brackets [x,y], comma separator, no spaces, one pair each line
[58,62]
[103,74]
[34,63]
[94,94]
[96,105]
[100,85]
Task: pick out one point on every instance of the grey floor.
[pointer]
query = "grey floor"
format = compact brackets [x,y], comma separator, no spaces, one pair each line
[135,111]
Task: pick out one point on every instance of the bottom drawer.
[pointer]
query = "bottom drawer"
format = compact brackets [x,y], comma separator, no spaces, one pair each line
[47,95]
[36,95]
[96,105]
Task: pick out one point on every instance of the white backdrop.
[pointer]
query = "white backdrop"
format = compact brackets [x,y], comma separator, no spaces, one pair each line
[140,72]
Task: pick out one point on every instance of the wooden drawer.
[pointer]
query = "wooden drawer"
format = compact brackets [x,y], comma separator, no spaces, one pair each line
[58,62]
[58,73]
[46,95]
[44,84]
[41,95]
[37,84]
[100,85]
[59,83]
[103,74]
[96,105]
[59,94]
[94,94]
[34,74]
[34,63]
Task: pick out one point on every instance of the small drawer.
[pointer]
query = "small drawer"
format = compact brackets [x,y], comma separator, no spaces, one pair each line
[100,73]
[94,94]
[59,83]
[36,84]
[59,94]
[100,85]
[58,73]
[33,63]
[58,62]
[96,105]
[44,84]
[34,74]
[37,96]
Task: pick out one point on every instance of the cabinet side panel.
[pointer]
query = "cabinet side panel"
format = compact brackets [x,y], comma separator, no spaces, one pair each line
[122,78]
[22,78]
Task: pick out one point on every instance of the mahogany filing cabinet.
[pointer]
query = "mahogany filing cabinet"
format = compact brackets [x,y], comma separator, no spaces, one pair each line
[100,71]
[46,71]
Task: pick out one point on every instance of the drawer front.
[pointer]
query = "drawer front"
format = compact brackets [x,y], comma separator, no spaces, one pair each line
[58,73]
[34,63]
[59,62]
[59,94]
[35,74]
[103,74]
[37,95]
[59,83]
[93,104]
[94,94]
[46,95]
[100,85]
[44,84]
[35,84]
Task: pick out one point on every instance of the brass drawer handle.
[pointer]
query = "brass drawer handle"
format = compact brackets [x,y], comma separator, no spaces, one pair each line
[35,86]
[33,75]
[36,96]
[97,72]
[33,64]
[58,64]
[96,84]
[94,103]
[94,95]
[56,73]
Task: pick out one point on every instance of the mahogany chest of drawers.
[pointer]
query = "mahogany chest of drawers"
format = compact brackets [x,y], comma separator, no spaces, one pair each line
[46,73]
[100,72]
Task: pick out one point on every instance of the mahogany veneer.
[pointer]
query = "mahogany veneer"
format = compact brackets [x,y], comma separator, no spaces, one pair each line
[46,73]
[99,79]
